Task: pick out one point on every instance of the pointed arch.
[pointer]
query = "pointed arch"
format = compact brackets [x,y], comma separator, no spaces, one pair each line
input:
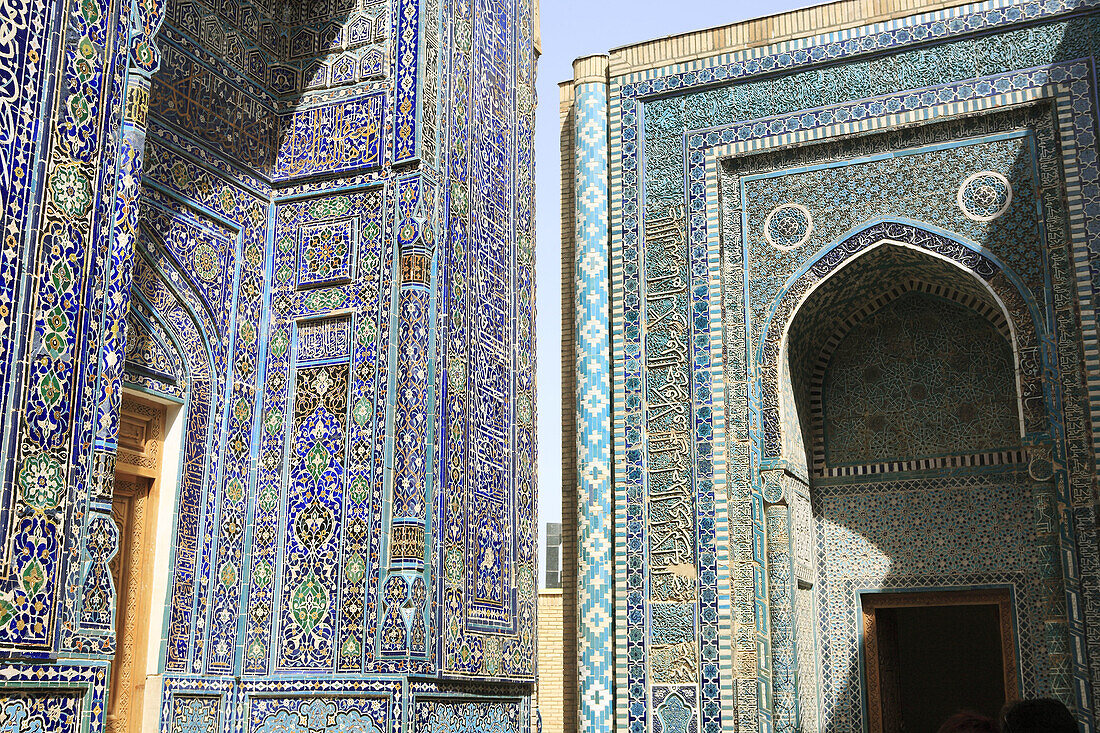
[186,325]
[925,257]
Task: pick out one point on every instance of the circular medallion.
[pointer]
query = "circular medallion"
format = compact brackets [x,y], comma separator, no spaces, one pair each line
[772,488]
[788,226]
[205,259]
[1040,463]
[985,196]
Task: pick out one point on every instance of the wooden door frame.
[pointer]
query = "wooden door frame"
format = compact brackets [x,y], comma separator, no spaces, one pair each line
[872,601]
[137,475]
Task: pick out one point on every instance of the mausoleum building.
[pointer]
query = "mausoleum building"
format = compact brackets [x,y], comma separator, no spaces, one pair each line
[832,371]
[266,365]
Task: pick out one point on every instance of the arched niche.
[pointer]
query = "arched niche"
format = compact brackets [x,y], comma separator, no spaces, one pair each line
[872,292]
[900,250]
[949,504]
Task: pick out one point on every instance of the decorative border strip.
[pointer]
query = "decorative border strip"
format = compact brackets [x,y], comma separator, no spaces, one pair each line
[969,460]
[924,28]
[89,677]
[593,406]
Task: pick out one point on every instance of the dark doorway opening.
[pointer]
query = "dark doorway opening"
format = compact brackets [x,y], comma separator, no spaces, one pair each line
[931,655]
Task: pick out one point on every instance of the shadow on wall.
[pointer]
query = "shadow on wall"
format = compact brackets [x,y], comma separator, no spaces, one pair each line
[922,377]
[903,355]
[268,63]
[233,85]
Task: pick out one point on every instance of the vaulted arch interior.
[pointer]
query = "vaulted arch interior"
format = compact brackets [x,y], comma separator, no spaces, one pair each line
[903,406]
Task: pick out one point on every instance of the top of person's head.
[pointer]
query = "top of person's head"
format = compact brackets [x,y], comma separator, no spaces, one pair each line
[967,722]
[1037,716]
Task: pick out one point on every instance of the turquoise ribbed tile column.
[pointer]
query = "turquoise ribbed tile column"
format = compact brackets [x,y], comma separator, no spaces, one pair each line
[593,394]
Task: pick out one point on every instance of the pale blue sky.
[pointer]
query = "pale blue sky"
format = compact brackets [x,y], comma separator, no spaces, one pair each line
[571,29]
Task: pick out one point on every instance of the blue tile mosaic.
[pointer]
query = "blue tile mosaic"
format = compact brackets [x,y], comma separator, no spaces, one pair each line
[764,205]
[308,228]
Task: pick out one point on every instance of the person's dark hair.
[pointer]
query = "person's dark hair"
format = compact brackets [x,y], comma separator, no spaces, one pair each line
[1037,716]
[968,722]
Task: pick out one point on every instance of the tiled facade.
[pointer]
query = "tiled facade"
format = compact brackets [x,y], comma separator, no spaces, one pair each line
[593,439]
[308,228]
[852,266]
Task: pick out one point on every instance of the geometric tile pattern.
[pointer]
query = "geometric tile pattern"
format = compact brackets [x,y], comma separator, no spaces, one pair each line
[593,378]
[367,714]
[778,654]
[951,532]
[325,252]
[877,131]
[890,395]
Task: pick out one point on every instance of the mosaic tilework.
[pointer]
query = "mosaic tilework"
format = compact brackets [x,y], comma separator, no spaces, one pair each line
[194,714]
[790,163]
[53,697]
[675,710]
[307,623]
[326,253]
[593,373]
[486,348]
[24,74]
[895,535]
[927,198]
[837,306]
[468,717]
[347,705]
[779,654]
[222,227]
[300,342]
[153,362]
[46,363]
[363,715]
[39,712]
[332,137]
[884,398]
[71,317]
[234,76]
[214,582]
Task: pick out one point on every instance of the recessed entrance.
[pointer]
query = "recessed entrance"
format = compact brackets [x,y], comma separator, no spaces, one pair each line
[931,655]
[137,474]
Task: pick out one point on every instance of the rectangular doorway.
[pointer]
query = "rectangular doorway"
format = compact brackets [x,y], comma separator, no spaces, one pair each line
[931,655]
[136,496]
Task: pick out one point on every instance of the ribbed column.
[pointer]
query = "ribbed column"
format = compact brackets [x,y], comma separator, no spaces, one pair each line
[144,60]
[780,612]
[101,534]
[119,279]
[405,583]
[410,400]
[595,602]
[1047,475]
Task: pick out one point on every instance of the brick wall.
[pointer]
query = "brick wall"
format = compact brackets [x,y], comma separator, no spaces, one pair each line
[568,597]
[549,695]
